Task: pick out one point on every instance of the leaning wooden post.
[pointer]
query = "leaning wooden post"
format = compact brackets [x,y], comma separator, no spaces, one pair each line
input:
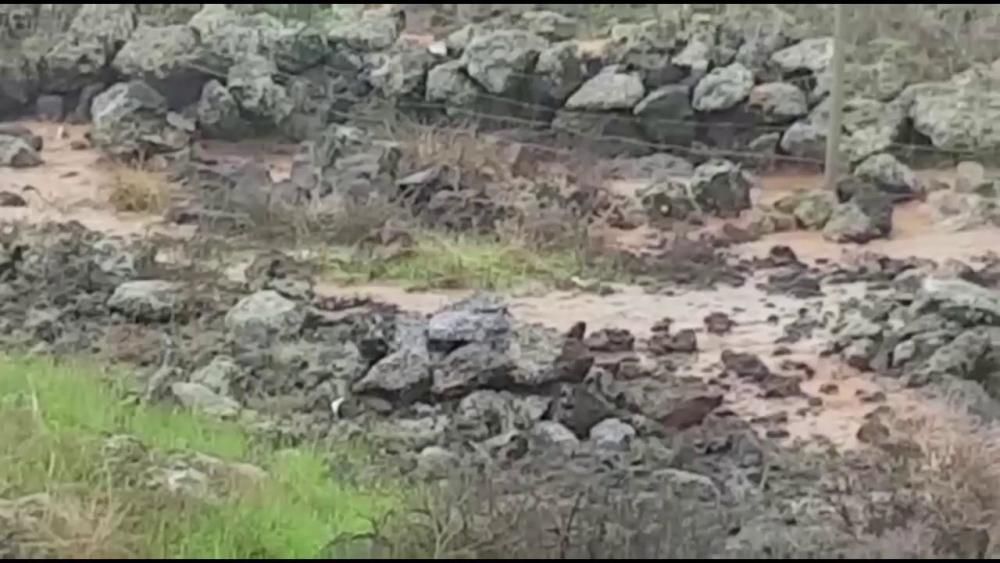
[832,163]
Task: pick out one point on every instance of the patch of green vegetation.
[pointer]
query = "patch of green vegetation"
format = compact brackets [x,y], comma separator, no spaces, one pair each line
[463,262]
[54,422]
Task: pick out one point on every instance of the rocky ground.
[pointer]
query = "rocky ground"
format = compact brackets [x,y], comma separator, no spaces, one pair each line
[772,370]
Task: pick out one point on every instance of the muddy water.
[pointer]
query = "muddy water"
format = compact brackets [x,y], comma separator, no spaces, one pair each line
[71,186]
[914,235]
[631,308]
[635,310]
[914,232]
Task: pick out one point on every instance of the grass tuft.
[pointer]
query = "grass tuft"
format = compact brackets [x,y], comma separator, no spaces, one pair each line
[458,262]
[54,423]
[132,189]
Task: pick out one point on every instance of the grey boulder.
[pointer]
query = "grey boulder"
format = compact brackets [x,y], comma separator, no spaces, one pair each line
[146,300]
[608,91]
[723,88]
[263,317]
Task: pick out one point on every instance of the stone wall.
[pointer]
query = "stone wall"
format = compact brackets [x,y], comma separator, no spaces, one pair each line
[689,81]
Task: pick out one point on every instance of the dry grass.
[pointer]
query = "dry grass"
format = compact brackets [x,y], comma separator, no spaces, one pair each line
[468,156]
[137,189]
[950,492]
[482,517]
[959,472]
[80,527]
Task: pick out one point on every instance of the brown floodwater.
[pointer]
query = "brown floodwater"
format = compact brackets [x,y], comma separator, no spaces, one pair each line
[72,185]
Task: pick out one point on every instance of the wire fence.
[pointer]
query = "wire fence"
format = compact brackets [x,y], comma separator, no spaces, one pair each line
[949,37]
[731,133]
[563,138]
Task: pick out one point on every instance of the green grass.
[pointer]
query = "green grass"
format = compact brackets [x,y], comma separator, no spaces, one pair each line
[447,262]
[54,420]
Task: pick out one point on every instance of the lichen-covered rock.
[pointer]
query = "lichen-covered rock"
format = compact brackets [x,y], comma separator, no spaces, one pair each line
[373,31]
[723,88]
[15,152]
[401,73]
[810,54]
[766,221]
[611,134]
[666,116]
[448,84]
[962,301]
[608,91]
[218,375]
[226,37]
[551,433]
[486,413]
[645,49]
[131,118]
[471,367]
[264,317]
[667,199]
[19,80]
[87,48]
[957,115]
[550,25]
[261,99]
[859,353]
[612,434]
[759,34]
[962,358]
[778,102]
[456,41]
[481,318]
[219,114]
[890,175]
[163,57]
[851,222]
[804,139]
[561,70]
[696,56]
[811,209]
[402,377]
[350,164]
[413,433]
[869,127]
[198,397]
[146,300]
[499,60]
[721,187]
[435,462]
[297,375]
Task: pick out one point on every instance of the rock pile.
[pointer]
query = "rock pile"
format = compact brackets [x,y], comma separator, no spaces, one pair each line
[695,79]
[931,327]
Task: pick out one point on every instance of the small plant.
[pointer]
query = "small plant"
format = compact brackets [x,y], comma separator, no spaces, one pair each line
[137,189]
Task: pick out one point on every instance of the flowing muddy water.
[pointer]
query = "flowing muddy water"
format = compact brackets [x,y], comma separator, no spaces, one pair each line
[633,309]
[72,185]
